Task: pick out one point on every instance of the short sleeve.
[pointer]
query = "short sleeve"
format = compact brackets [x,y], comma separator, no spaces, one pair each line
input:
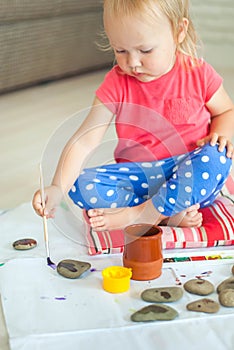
[110,91]
[212,81]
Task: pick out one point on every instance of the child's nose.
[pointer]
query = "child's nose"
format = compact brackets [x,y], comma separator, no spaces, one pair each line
[133,60]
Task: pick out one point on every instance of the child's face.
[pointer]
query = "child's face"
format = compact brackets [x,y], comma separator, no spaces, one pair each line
[143,50]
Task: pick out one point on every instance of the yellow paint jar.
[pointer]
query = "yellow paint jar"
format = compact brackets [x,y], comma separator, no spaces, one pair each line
[116,279]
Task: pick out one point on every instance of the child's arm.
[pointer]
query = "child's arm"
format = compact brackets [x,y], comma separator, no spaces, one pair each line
[73,157]
[222,122]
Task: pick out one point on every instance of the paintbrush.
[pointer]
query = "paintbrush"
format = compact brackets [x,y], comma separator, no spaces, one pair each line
[45,228]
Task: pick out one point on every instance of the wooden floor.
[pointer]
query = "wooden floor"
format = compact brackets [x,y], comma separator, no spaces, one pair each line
[29,117]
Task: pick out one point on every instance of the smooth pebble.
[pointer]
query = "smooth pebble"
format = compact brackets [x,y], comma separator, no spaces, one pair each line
[226,297]
[162,294]
[226,284]
[154,312]
[24,244]
[199,287]
[204,305]
[72,268]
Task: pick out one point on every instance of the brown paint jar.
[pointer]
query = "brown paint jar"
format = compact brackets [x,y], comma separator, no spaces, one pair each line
[143,251]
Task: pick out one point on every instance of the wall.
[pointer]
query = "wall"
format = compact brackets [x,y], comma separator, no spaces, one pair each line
[214,21]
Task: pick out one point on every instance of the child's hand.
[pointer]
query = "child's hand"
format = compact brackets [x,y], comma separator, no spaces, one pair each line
[53,196]
[223,142]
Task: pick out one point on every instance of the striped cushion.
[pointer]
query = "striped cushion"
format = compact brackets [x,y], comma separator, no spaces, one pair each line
[217,229]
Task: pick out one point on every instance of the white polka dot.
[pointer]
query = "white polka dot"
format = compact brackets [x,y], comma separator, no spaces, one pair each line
[203,192]
[110,193]
[112,177]
[144,185]
[123,169]
[216,192]
[197,150]
[173,187]
[205,159]
[82,173]
[136,200]
[93,200]
[96,180]
[219,177]
[159,176]
[188,203]
[181,157]
[223,159]
[188,189]
[188,174]
[80,204]
[73,189]
[127,197]
[113,205]
[188,162]
[206,203]
[101,170]
[174,176]
[164,185]
[172,200]
[146,165]
[175,168]
[205,175]
[161,209]
[89,187]
[159,163]
[152,177]
[133,177]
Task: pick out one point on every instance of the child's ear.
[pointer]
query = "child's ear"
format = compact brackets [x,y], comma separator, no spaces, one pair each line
[183,28]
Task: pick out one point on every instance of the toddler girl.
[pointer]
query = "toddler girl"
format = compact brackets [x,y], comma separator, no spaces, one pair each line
[174,123]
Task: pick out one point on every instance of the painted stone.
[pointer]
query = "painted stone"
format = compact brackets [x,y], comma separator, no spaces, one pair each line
[72,268]
[226,297]
[154,312]
[226,284]
[162,294]
[199,287]
[204,305]
[24,244]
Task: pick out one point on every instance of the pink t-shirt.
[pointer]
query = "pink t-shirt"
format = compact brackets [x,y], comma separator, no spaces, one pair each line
[161,118]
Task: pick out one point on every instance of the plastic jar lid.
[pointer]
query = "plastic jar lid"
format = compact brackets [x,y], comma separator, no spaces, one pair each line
[116,279]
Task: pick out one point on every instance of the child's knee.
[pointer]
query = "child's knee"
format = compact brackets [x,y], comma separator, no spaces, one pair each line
[213,156]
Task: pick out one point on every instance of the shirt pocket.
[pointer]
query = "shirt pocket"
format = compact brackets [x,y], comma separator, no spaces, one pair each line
[179,110]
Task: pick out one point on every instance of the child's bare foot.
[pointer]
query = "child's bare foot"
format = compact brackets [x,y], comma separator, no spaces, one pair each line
[118,218]
[187,218]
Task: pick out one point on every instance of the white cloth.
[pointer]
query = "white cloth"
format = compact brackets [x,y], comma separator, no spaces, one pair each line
[44,310]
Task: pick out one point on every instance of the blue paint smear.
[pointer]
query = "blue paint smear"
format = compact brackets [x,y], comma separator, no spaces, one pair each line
[93,270]
[60,298]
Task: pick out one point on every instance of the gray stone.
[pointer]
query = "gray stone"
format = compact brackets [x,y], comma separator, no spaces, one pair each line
[199,287]
[72,268]
[204,305]
[25,244]
[226,284]
[162,294]
[226,297]
[154,312]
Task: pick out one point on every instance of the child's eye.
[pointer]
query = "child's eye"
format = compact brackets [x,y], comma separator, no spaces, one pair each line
[120,51]
[146,51]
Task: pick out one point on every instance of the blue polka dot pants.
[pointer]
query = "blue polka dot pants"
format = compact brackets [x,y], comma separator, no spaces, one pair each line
[173,184]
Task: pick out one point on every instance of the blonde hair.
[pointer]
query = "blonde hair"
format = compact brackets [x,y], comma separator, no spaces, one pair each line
[175,10]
